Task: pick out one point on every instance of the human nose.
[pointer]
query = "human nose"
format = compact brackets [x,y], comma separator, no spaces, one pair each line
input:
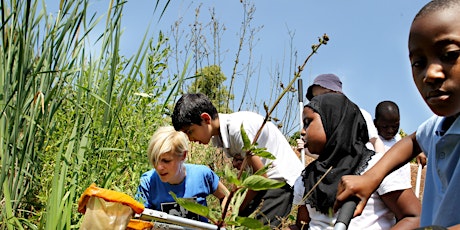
[393,129]
[159,166]
[434,73]
[303,131]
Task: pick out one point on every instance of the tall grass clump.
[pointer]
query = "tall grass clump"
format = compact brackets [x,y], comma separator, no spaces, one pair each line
[70,115]
[74,111]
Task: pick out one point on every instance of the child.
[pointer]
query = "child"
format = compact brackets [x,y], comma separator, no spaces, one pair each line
[167,152]
[434,51]
[195,115]
[336,131]
[330,83]
[387,123]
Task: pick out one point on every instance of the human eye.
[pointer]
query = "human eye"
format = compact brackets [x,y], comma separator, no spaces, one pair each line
[417,61]
[165,161]
[450,56]
[306,123]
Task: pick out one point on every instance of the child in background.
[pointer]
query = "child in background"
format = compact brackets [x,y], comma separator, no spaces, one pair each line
[387,123]
[195,115]
[434,53]
[330,83]
[336,131]
[167,152]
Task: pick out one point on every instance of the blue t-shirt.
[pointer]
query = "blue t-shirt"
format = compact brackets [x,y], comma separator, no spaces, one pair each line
[442,181]
[200,181]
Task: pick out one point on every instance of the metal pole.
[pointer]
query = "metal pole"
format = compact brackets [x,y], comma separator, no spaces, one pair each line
[346,214]
[417,182]
[179,222]
[300,95]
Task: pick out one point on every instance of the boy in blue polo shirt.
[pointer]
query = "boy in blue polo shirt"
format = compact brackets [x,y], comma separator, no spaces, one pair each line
[434,53]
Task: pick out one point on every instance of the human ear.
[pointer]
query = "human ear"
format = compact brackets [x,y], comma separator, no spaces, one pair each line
[206,118]
[184,155]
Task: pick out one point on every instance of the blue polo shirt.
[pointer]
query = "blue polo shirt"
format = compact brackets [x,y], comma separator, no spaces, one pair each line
[441,200]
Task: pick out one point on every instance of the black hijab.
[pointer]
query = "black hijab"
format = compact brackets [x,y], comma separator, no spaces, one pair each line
[345,150]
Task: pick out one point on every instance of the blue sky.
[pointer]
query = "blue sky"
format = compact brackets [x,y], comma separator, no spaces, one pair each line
[367,47]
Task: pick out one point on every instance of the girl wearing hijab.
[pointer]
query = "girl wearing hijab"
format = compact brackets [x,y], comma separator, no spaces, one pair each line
[336,131]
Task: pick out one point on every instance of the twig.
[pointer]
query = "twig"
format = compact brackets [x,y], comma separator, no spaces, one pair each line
[322,41]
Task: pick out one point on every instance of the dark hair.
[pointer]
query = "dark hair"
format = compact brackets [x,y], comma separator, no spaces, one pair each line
[386,107]
[189,108]
[436,5]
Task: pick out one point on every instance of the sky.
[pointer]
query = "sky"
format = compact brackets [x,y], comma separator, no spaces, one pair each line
[367,47]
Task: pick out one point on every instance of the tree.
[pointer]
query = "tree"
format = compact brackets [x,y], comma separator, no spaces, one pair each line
[210,81]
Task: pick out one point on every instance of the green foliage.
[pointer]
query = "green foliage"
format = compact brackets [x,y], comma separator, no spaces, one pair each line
[70,117]
[253,149]
[258,183]
[210,81]
[192,206]
[255,182]
[250,223]
[293,138]
[402,133]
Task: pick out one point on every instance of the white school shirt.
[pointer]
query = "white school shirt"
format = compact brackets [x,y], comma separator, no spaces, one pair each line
[375,215]
[405,171]
[286,167]
[371,129]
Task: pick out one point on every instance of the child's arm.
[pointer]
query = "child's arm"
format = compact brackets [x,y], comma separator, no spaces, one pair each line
[222,194]
[363,186]
[405,206]
[455,227]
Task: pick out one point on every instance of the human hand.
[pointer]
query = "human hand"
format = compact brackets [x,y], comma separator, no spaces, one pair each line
[421,159]
[359,186]
[300,144]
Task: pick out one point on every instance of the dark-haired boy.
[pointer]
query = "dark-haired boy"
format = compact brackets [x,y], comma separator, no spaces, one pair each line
[195,115]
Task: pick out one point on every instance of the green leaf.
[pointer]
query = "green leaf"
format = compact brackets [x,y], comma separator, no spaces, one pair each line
[257,183]
[261,152]
[192,206]
[249,222]
[263,170]
[246,141]
[238,199]
[231,177]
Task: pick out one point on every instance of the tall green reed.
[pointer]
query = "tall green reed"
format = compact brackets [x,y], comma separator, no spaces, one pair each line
[70,117]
